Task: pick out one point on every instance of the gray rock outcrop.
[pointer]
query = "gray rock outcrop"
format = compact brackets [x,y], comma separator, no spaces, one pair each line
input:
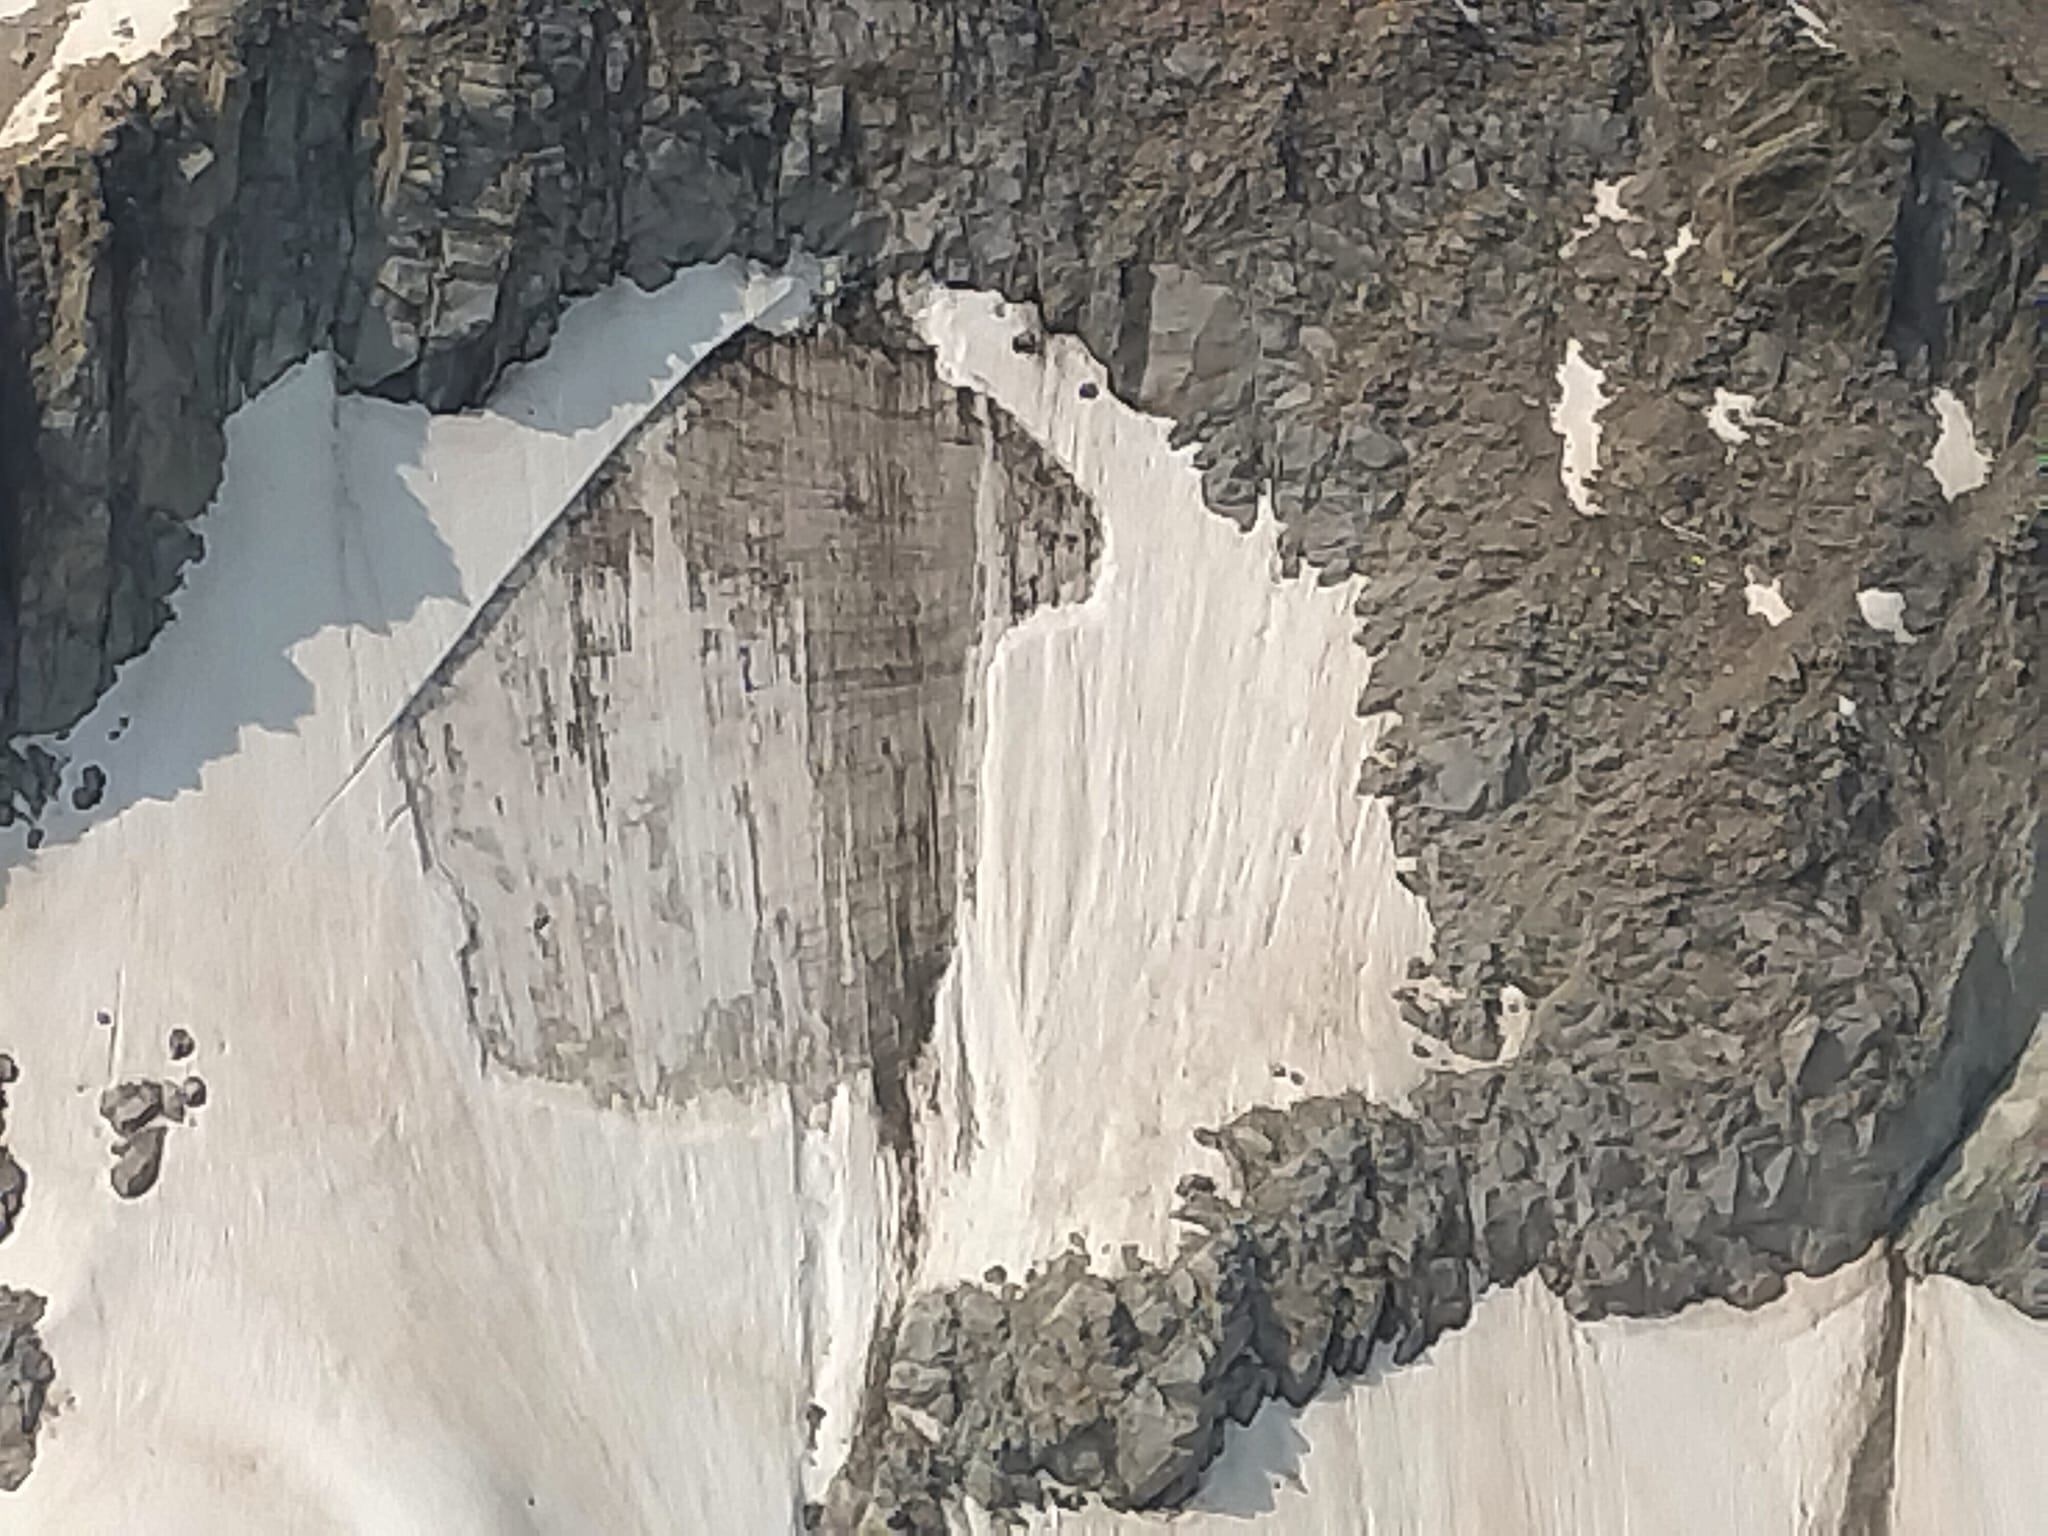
[701,775]
[26,1373]
[1773,890]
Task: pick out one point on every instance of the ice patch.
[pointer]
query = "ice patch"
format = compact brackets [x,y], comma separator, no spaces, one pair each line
[1766,599]
[1957,462]
[1576,418]
[1885,611]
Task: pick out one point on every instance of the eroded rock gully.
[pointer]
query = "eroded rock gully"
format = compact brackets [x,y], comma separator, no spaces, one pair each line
[1772,888]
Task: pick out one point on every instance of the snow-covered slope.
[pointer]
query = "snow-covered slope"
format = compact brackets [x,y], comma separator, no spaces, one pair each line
[375,1289]
[387,1285]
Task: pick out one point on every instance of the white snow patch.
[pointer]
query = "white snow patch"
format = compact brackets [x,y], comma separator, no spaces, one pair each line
[1845,706]
[1607,209]
[1972,1447]
[378,1288]
[1733,419]
[1607,203]
[1177,889]
[1886,611]
[1957,461]
[1766,599]
[1576,418]
[1712,1422]
[1811,24]
[126,30]
[1676,251]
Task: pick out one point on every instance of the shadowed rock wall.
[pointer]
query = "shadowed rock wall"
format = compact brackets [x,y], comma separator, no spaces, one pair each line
[697,773]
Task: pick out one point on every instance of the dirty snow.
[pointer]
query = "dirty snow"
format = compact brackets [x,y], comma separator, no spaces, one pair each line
[378,1290]
[1177,887]
[1575,417]
[1958,463]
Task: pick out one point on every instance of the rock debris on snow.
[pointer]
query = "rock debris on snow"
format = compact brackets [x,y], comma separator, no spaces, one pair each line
[138,1159]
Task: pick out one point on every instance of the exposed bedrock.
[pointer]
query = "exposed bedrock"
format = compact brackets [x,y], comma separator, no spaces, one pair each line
[1726,757]
[26,1370]
[696,776]
[1379,189]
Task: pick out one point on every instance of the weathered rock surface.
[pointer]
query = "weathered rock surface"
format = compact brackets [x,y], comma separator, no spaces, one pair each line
[422,188]
[25,1367]
[737,682]
[138,1161]
[26,1373]
[1772,889]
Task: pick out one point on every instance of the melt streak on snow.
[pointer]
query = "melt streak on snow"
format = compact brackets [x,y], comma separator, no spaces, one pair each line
[1169,898]
[1177,891]
[377,1290]
[1526,1422]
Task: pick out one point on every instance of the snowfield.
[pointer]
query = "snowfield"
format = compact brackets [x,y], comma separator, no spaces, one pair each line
[383,1290]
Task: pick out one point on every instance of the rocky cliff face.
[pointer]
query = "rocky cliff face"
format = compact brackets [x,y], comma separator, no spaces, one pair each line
[1719,753]
[421,188]
[745,810]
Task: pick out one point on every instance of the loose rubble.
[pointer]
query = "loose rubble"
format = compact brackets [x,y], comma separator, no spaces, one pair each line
[140,1111]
